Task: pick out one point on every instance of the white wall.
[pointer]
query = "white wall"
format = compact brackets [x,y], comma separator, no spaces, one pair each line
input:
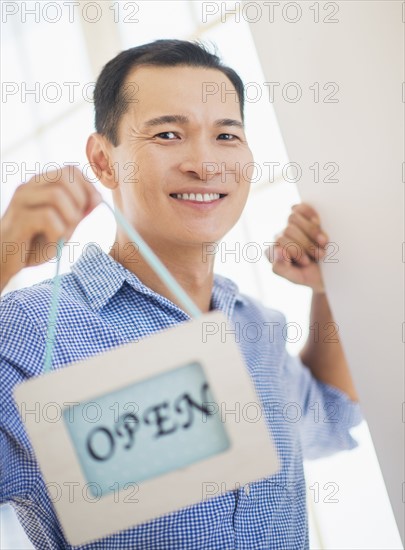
[360,50]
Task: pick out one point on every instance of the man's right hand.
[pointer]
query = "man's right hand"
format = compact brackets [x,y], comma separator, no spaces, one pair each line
[42,211]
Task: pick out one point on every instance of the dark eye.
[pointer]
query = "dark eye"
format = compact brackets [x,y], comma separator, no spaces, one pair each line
[229,137]
[163,135]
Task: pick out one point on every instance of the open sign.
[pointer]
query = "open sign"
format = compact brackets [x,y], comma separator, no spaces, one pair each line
[155,426]
[174,423]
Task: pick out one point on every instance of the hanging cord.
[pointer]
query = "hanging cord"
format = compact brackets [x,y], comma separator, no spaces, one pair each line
[161,271]
[53,310]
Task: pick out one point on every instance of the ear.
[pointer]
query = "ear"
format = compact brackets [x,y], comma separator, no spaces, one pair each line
[99,156]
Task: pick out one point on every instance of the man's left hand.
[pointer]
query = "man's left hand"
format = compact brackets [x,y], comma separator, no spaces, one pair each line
[299,248]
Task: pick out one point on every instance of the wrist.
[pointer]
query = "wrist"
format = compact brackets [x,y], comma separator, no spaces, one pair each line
[319,291]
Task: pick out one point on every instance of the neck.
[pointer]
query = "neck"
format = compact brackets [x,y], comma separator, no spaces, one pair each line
[183,262]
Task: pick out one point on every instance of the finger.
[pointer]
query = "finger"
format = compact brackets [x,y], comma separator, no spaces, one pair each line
[306,245]
[285,250]
[73,182]
[307,211]
[51,195]
[289,251]
[80,190]
[95,197]
[46,221]
[309,227]
[51,181]
[285,267]
[84,192]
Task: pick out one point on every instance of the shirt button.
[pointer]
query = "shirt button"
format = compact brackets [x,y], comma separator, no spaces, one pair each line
[247,489]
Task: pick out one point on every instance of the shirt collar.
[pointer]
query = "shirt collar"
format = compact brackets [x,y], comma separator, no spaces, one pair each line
[101,277]
[98,275]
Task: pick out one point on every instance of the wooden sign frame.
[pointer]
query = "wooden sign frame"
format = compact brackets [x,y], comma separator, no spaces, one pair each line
[251,454]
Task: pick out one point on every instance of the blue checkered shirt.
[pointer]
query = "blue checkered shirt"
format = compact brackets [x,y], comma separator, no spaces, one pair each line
[103,305]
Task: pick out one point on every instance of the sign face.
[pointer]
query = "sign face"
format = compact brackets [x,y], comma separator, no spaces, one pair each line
[159,430]
[144,426]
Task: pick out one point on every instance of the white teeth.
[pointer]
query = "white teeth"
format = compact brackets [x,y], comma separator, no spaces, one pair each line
[206,197]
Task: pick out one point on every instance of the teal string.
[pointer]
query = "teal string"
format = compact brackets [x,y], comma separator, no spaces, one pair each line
[162,272]
[53,311]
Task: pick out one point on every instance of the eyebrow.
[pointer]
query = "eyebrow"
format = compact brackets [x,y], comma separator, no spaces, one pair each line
[181,119]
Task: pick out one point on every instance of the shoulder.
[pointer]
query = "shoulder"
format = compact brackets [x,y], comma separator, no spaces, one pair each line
[249,311]
[32,303]
[24,317]
[255,308]
[248,305]
[25,303]
[24,312]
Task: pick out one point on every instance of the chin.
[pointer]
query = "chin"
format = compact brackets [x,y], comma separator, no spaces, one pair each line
[201,239]
[198,235]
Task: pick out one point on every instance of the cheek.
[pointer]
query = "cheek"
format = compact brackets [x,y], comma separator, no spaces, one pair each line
[248,172]
[146,181]
[240,160]
[153,168]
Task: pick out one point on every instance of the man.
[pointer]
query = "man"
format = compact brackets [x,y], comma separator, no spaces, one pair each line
[170,156]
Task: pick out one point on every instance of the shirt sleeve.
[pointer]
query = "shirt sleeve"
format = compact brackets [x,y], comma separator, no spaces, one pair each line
[21,356]
[327,414]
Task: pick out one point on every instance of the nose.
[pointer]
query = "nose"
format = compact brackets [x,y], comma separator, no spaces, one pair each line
[199,160]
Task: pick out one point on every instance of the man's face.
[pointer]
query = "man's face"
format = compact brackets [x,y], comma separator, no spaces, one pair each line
[200,149]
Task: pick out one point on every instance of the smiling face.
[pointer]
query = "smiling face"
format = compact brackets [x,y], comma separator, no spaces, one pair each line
[183,173]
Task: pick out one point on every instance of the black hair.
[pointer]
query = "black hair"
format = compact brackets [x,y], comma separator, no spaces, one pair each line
[110,102]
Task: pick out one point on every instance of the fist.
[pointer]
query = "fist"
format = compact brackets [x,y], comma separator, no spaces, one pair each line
[42,211]
[298,249]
